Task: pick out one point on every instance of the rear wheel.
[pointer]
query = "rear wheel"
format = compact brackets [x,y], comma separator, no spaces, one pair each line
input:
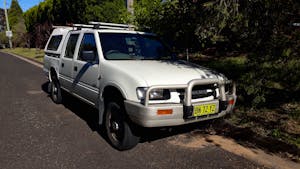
[56,92]
[118,127]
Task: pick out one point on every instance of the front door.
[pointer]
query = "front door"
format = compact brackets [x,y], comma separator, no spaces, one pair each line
[86,69]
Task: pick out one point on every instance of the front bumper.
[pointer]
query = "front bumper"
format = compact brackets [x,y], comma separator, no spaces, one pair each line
[145,114]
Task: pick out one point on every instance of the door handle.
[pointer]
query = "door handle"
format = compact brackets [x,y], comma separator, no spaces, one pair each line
[62,64]
[75,68]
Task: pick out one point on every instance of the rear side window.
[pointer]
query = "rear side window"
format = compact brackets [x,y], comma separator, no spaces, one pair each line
[54,42]
[70,49]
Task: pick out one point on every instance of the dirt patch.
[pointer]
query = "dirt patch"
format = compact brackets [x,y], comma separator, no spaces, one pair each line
[292,127]
[273,131]
[200,141]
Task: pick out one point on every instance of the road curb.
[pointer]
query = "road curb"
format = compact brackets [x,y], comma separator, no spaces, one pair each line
[28,60]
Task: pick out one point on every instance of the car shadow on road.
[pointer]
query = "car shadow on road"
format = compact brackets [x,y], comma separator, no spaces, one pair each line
[243,136]
[78,107]
[90,116]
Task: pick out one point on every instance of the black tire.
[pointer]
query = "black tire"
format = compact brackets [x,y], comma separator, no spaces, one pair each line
[55,92]
[117,127]
[49,87]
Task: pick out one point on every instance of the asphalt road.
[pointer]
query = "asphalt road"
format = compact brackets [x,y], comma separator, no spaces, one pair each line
[36,133]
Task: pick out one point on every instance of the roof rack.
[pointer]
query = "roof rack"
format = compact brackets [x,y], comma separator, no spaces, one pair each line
[99,25]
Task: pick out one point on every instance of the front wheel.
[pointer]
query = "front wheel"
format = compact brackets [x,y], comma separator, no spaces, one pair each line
[56,92]
[117,127]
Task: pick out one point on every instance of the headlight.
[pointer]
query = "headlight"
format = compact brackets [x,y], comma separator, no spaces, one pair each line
[160,94]
[155,94]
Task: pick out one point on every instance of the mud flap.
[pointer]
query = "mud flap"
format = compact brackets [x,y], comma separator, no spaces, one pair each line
[101,110]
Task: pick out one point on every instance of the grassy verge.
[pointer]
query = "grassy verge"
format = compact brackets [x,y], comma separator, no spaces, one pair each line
[31,53]
[281,122]
[277,124]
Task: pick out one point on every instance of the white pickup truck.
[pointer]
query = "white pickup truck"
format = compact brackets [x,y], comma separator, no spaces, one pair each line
[132,77]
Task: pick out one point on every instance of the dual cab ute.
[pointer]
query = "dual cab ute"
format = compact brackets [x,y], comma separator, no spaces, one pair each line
[132,78]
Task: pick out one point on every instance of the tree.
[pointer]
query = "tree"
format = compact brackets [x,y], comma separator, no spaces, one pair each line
[62,12]
[3,38]
[15,13]
[107,11]
[166,19]
[17,24]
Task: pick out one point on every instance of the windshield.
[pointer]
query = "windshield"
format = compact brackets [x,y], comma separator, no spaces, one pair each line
[126,46]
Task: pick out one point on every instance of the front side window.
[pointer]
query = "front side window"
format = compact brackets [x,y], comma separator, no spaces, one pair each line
[54,42]
[126,46]
[70,49]
[88,48]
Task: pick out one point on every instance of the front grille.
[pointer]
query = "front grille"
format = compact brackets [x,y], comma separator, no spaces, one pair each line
[203,91]
[200,91]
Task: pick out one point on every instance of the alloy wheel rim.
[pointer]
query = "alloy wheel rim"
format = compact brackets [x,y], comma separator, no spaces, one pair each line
[115,126]
[54,92]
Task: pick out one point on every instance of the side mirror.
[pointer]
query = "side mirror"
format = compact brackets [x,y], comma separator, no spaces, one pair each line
[88,55]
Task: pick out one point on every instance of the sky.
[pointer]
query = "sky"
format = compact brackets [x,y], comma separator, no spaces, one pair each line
[25,4]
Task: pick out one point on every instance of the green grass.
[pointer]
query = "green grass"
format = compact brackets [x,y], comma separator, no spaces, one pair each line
[281,122]
[232,67]
[31,53]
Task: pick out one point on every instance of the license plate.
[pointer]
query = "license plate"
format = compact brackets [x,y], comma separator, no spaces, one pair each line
[206,109]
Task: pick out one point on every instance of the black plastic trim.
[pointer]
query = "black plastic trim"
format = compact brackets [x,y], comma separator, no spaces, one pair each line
[223,105]
[188,112]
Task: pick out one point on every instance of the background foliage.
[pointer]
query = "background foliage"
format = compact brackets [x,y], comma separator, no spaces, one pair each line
[40,18]
[260,29]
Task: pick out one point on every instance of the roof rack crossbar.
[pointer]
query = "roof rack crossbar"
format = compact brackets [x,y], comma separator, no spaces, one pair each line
[54,26]
[82,26]
[110,27]
[111,24]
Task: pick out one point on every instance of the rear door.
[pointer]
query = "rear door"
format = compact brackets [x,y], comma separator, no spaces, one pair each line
[66,65]
[85,72]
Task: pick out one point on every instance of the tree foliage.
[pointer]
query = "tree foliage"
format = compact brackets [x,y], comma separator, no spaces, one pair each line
[17,24]
[62,12]
[15,13]
[171,19]
[260,28]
